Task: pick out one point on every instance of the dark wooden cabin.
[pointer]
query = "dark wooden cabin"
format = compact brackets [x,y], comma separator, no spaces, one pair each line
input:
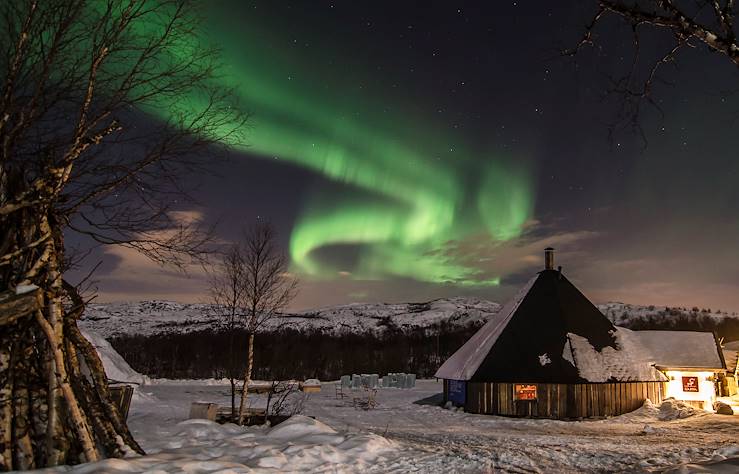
[550,353]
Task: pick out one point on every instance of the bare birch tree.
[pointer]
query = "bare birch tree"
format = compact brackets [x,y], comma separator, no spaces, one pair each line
[268,288]
[690,24]
[81,152]
[228,292]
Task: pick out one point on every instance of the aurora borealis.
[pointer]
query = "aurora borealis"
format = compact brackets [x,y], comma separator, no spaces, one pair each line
[408,151]
[407,203]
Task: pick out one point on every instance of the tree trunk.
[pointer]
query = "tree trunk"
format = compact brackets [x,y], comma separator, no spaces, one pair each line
[50,413]
[233,397]
[232,368]
[247,377]
[54,310]
[78,422]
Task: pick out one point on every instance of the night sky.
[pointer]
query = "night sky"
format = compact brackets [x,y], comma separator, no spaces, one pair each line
[407,152]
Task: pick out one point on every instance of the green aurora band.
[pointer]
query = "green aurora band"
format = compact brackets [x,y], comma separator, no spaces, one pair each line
[413,198]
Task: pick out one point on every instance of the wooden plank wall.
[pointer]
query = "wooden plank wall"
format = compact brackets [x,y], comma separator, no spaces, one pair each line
[563,401]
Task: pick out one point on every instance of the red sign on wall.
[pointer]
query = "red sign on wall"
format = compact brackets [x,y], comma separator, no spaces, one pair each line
[690,384]
[524,391]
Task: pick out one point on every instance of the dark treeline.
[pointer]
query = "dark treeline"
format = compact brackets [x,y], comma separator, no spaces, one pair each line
[726,327]
[290,354]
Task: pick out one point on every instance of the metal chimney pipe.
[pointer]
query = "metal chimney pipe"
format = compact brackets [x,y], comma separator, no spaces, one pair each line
[549,258]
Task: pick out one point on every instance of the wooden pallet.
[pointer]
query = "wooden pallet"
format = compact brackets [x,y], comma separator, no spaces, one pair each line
[122,395]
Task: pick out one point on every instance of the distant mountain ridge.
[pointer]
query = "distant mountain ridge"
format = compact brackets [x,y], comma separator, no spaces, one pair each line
[158,317]
[725,324]
[166,317]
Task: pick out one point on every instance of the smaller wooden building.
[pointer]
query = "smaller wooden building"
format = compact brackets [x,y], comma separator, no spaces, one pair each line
[550,353]
[692,361]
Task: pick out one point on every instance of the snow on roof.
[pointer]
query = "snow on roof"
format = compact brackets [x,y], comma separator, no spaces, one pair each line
[23,289]
[465,362]
[628,362]
[681,349]
[116,368]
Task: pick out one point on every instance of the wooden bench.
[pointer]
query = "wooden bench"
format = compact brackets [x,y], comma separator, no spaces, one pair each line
[223,414]
[311,388]
[258,388]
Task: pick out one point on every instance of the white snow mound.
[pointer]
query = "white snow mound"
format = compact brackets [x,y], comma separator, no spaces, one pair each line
[672,409]
[299,426]
[300,444]
[646,413]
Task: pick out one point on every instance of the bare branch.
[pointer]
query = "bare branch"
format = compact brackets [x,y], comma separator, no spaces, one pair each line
[702,22]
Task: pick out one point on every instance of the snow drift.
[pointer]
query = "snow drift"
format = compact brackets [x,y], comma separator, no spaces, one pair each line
[300,444]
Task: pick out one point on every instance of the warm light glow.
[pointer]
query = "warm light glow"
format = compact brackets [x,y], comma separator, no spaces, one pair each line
[706,390]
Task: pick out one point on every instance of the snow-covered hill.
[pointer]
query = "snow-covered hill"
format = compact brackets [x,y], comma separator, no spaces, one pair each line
[623,314]
[157,317]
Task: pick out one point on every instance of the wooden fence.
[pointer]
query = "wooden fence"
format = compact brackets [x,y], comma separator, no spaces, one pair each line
[561,401]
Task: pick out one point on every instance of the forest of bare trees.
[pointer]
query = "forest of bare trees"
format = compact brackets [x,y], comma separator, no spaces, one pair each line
[288,353]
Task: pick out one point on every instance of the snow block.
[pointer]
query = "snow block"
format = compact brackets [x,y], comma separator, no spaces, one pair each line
[346,381]
[397,380]
[311,386]
[405,381]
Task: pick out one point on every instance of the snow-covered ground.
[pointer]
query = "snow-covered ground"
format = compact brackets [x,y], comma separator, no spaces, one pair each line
[409,432]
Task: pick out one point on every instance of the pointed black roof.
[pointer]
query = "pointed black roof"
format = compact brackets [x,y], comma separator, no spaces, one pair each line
[548,333]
